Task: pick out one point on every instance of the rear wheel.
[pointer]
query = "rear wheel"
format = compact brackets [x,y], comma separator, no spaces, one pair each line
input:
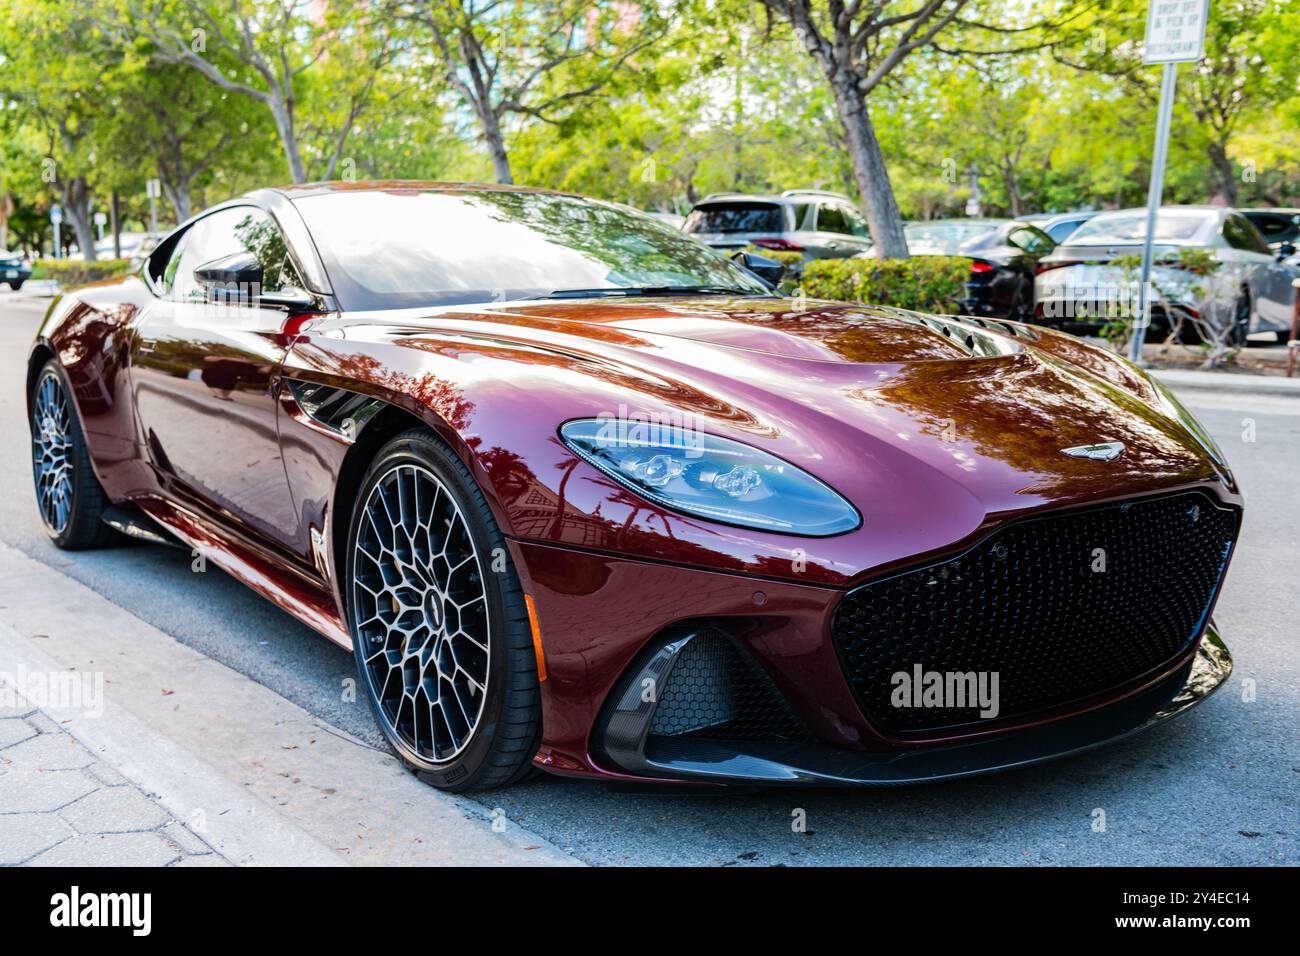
[438,620]
[68,494]
[16,284]
[1238,336]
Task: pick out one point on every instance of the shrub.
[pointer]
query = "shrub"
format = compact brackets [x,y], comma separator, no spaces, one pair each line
[71,273]
[923,283]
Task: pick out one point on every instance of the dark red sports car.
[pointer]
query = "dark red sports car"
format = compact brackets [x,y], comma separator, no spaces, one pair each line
[586,496]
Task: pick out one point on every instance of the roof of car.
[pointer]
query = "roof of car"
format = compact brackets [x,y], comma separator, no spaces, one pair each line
[789,195]
[302,190]
[982,221]
[1172,208]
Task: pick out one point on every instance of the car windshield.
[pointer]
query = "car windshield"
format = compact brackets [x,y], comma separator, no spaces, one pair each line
[401,249]
[735,217]
[946,234]
[1131,227]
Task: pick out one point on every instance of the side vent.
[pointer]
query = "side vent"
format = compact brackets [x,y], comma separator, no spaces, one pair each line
[338,409]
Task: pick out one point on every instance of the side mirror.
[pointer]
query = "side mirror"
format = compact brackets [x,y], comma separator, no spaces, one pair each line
[238,278]
[769,270]
[1285,250]
[232,278]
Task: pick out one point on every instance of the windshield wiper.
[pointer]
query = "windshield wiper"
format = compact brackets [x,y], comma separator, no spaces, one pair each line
[626,291]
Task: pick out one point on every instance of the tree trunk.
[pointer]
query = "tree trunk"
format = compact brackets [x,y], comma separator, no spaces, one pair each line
[289,140]
[1012,182]
[178,194]
[76,202]
[496,144]
[869,170]
[1223,170]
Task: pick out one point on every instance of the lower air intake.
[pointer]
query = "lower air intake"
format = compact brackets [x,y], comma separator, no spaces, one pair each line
[714,691]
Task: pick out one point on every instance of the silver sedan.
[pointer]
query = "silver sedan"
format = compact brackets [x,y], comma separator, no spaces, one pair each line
[1244,287]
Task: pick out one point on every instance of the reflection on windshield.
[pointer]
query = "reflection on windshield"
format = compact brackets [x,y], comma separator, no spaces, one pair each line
[1170,227]
[408,248]
[949,236]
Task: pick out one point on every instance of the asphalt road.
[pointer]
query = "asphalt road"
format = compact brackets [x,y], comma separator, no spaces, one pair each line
[1220,786]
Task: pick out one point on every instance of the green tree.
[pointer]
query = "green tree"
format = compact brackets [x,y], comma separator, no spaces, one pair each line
[541,61]
[63,97]
[313,68]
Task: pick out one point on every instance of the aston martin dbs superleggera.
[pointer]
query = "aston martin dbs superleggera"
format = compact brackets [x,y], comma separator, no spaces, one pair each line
[584,495]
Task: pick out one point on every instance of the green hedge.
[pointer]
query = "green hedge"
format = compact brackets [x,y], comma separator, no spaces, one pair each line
[923,283]
[71,273]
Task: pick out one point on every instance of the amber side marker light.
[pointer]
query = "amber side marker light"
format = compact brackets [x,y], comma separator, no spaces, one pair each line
[537,637]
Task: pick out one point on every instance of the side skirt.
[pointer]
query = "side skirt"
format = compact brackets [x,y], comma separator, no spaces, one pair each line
[308,602]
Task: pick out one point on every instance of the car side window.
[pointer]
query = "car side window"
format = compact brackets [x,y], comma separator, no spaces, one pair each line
[1240,234]
[800,211]
[830,218]
[224,233]
[856,222]
[1032,241]
[1270,224]
[1062,230]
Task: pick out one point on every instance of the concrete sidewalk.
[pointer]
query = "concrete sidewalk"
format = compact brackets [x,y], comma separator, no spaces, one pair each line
[1185,379]
[60,806]
[199,752]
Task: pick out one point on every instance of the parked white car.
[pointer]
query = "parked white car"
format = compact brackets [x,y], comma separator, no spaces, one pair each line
[1249,292]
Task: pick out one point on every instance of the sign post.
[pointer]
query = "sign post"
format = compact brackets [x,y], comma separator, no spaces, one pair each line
[153,188]
[1175,34]
[56,219]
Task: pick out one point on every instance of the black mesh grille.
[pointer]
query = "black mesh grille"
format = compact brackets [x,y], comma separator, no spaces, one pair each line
[1027,604]
[714,691]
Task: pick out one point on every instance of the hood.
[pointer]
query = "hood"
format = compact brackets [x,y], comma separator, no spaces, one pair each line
[931,426]
[809,330]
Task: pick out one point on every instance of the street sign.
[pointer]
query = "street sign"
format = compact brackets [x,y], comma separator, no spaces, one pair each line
[56,214]
[101,218]
[1175,34]
[1175,31]
[153,188]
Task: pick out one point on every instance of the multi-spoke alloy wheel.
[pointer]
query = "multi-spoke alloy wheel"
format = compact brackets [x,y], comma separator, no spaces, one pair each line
[438,621]
[68,494]
[422,613]
[52,453]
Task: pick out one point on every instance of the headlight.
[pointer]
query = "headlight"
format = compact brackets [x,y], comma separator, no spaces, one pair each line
[711,477]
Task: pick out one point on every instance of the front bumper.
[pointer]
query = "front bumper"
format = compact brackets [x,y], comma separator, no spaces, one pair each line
[808,763]
[601,615]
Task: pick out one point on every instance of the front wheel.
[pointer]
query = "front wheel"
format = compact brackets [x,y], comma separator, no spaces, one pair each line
[439,624]
[16,284]
[68,494]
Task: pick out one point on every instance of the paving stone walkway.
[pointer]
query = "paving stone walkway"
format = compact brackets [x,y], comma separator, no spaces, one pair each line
[60,806]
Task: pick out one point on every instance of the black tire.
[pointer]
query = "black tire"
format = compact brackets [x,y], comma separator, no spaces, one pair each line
[1239,335]
[16,284]
[80,526]
[499,746]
